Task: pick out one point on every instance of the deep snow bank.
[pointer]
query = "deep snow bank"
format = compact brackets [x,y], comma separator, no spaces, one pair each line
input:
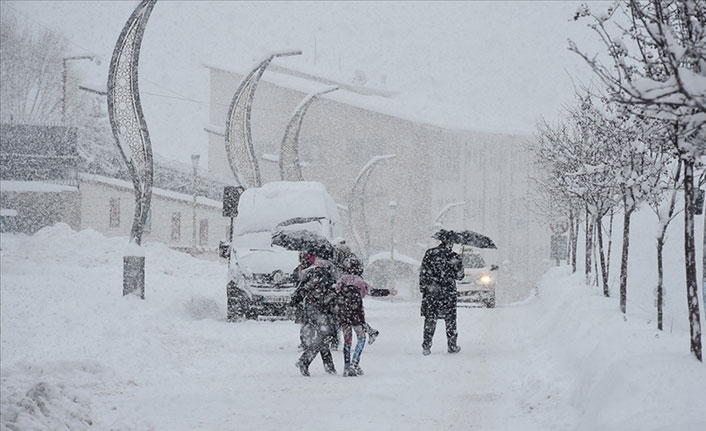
[611,373]
[67,331]
[78,355]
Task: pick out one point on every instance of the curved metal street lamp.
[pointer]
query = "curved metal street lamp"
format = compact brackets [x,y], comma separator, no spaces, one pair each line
[129,128]
[238,137]
[289,165]
[356,204]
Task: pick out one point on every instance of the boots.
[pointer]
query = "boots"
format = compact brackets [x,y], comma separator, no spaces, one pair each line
[303,368]
[330,369]
[353,370]
[373,335]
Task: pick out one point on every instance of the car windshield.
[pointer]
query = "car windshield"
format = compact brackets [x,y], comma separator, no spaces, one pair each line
[473,261]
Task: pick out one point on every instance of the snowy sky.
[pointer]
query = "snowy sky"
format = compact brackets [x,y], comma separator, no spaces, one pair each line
[480,65]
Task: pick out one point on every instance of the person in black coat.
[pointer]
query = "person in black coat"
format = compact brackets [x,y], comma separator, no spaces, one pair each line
[440,269]
[317,298]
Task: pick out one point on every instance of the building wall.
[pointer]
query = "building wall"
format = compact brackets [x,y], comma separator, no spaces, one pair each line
[96,214]
[336,141]
[434,166]
[36,210]
[491,173]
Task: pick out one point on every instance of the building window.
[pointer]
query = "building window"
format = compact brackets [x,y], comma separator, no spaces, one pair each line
[203,232]
[114,216]
[176,226]
[449,164]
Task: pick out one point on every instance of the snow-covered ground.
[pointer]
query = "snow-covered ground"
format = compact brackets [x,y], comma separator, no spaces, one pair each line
[77,355]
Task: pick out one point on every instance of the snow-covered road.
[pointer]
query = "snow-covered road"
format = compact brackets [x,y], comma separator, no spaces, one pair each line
[77,355]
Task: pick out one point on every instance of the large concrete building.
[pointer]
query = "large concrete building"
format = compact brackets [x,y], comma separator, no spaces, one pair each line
[434,166]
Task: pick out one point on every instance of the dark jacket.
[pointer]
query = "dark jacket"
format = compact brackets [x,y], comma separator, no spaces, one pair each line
[315,294]
[350,301]
[440,269]
[351,289]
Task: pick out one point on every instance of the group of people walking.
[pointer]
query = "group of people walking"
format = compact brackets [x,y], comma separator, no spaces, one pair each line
[329,298]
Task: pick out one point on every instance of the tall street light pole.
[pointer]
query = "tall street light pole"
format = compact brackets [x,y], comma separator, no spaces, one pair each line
[195,163]
[392,210]
[64,78]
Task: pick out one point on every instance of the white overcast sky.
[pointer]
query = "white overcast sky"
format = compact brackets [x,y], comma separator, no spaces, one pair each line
[488,65]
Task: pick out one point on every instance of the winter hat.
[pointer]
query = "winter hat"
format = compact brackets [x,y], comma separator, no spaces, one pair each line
[353,266]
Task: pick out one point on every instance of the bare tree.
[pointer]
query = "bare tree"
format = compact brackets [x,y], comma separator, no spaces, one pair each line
[572,157]
[30,72]
[656,65]
[594,145]
[551,192]
[662,197]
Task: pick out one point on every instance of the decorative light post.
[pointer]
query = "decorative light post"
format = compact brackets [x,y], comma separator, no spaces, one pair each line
[195,163]
[289,166]
[356,204]
[64,77]
[392,210]
[238,136]
[444,211]
[131,136]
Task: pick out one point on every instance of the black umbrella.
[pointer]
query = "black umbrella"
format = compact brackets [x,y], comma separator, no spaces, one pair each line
[304,240]
[465,237]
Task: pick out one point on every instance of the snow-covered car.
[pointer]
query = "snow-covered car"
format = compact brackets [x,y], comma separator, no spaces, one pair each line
[479,282]
[400,271]
[263,276]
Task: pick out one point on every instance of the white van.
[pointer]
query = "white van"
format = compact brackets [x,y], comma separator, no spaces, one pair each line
[262,277]
[480,277]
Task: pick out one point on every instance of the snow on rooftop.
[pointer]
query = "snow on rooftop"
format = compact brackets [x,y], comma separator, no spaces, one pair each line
[155,190]
[34,187]
[410,107]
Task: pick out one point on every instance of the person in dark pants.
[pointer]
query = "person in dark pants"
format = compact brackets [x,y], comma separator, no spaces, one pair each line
[317,297]
[344,259]
[440,269]
[351,289]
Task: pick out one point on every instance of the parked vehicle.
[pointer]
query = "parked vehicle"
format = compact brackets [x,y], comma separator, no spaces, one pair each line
[477,288]
[263,276]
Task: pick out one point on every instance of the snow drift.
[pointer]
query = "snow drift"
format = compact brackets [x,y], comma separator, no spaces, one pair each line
[77,355]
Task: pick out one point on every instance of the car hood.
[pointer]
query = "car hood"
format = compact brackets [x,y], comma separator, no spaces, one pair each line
[265,261]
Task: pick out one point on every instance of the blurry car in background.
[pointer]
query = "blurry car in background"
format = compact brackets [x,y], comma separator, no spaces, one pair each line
[399,271]
[477,288]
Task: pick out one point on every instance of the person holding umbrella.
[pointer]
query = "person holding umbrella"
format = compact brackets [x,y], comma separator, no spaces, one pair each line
[440,269]
[317,297]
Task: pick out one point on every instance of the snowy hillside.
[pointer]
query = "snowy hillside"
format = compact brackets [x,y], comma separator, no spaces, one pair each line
[76,355]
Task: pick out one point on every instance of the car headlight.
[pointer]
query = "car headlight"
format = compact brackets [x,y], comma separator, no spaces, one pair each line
[486,279]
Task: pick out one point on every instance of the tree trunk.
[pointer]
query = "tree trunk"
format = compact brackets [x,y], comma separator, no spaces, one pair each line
[574,242]
[692,296]
[596,270]
[610,241]
[624,260]
[660,278]
[589,248]
[703,265]
[572,260]
[604,269]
